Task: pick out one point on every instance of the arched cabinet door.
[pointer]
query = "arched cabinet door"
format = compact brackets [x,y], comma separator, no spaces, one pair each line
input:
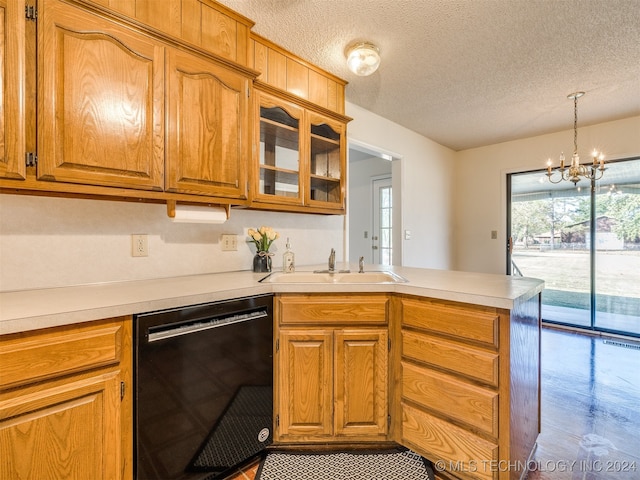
[12,89]
[208,127]
[327,162]
[100,101]
[278,145]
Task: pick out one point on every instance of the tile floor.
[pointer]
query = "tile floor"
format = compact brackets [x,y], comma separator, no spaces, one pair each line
[248,473]
[590,409]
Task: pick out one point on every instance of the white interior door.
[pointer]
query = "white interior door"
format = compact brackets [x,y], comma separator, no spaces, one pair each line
[382,237]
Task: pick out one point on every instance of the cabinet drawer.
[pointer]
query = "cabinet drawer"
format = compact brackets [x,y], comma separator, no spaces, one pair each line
[472,362]
[465,322]
[332,309]
[475,406]
[30,357]
[437,439]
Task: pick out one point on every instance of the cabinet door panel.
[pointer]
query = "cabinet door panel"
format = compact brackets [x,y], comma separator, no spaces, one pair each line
[278,144]
[361,382]
[208,128]
[327,162]
[305,404]
[101,101]
[12,89]
[65,431]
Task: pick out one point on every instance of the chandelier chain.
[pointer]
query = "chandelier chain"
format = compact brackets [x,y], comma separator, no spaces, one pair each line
[575,124]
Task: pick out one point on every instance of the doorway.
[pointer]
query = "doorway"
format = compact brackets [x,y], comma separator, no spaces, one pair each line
[373,222]
[584,241]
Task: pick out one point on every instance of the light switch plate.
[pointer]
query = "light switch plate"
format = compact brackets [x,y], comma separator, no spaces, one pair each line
[229,242]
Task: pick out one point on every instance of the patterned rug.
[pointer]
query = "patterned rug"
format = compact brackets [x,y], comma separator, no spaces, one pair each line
[369,465]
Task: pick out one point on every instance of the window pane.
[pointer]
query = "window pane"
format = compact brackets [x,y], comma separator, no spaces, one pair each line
[552,229]
[617,245]
[549,243]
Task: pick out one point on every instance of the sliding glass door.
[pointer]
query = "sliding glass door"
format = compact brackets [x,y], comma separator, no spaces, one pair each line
[584,242]
[617,250]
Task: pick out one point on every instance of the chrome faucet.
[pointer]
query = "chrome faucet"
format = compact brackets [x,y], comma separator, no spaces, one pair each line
[332,261]
[361,265]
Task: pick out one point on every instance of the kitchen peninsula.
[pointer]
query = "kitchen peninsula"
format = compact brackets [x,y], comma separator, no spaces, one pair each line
[452,358]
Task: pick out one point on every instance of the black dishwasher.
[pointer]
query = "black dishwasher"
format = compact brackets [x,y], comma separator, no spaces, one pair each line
[204,388]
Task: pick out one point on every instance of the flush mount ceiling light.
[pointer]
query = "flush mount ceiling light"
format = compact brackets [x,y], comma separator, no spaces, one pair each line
[575,171]
[363,58]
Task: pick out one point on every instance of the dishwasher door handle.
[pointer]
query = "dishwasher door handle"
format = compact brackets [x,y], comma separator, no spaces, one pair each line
[155,334]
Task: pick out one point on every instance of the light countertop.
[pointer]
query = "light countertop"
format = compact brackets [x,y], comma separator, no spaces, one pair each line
[33,309]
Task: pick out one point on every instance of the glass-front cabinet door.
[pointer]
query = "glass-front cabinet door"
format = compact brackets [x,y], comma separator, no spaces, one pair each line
[279,155]
[326,162]
[299,157]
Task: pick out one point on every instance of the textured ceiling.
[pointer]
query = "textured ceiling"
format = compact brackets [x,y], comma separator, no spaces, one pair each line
[467,73]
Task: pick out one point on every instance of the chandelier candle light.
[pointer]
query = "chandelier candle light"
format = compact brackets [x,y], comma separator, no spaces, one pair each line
[575,170]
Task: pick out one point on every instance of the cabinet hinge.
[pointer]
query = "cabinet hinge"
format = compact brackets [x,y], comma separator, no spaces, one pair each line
[277,420]
[389,344]
[122,388]
[388,421]
[278,345]
[31,12]
[248,92]
[31,159]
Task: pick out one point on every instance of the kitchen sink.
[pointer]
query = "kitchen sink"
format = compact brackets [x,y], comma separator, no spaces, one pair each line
[337,277]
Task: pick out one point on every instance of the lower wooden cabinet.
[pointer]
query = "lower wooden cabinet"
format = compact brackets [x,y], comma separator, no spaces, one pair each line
[65,402]
[457,383]
[468,393]
[332,376]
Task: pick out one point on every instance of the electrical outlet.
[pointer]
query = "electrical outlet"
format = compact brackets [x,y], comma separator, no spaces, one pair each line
[139,245]
[229,242]
[494,234]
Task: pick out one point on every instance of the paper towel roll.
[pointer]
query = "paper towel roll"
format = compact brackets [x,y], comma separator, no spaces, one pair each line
[196,214]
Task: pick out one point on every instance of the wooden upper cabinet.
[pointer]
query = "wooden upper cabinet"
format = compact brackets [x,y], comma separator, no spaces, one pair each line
[285,71]
[12,89]
[327,162]
[299,156]
[100,101]
[211,26]
[208,127]
[278,145]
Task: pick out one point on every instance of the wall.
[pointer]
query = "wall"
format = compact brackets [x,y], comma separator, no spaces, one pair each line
[426,177]
[480,199]
[49,242]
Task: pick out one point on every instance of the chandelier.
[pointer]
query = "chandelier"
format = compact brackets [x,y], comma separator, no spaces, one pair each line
[575,172]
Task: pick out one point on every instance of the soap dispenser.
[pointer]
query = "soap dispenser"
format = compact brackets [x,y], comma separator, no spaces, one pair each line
[288,259]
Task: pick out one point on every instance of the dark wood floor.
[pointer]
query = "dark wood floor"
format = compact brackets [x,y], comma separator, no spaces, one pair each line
[590,409]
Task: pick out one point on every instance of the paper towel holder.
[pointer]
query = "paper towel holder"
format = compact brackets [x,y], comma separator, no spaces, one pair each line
[172,206]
